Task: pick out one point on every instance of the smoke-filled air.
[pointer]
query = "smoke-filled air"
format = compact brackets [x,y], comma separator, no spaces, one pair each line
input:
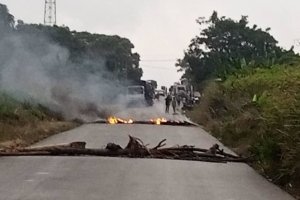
[78,74]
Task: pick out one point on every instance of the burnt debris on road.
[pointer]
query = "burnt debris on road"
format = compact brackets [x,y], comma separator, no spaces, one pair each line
[155,121]
[134,149]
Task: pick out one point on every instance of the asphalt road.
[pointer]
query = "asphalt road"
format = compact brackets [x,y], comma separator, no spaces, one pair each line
[157,110]
[78,178]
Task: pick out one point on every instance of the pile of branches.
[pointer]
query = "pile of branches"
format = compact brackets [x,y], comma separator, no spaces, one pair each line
[134,149]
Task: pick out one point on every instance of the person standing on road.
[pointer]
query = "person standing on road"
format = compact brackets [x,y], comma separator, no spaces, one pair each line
[174,104]
[168,102]
[178,100]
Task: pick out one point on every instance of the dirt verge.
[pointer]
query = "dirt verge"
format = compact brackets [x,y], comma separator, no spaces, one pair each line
[13,134]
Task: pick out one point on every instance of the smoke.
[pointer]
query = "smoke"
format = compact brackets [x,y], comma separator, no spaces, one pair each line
[33,68]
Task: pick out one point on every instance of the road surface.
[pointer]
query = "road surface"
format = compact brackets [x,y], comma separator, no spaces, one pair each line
[157,110]
[95,178]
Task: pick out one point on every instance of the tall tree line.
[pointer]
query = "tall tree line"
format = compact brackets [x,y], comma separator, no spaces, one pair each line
[226,47]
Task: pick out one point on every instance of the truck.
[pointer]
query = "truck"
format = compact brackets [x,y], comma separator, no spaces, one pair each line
[183,91]
[164,88]
[188,89]
[161,92]
[140,92]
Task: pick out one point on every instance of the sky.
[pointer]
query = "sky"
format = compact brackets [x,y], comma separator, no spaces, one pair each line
[162,29]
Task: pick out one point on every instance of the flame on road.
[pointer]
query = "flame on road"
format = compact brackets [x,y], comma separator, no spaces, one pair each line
[158,121]
[115,120]
[112,120]
[130,121]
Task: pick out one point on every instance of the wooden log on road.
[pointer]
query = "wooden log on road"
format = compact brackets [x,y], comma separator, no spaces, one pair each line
[135,148]
[75,145]
[198,150]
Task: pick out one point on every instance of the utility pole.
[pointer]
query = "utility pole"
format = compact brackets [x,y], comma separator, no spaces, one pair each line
[50,12]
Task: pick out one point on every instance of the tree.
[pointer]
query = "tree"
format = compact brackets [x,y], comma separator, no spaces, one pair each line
[7,21]
[103,52]
[116,51]
[225,46]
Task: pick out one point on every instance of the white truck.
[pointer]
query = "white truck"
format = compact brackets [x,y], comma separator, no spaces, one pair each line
[183,91]
[140,93]
[135,93]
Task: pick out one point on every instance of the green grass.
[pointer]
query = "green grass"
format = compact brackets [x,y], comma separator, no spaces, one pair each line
[8,106]
[11,109]
[25,122]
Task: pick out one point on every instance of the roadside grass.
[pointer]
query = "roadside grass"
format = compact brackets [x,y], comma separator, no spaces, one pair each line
[7,106]
[258,115]
[23,123]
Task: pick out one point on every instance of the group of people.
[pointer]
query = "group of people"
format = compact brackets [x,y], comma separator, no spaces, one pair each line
[170,99]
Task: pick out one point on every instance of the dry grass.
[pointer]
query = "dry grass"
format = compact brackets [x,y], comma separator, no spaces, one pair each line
[13,135]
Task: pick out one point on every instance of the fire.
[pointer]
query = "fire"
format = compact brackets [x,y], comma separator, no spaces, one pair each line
[130,121]
[115,120]
[158,121]
[112,120]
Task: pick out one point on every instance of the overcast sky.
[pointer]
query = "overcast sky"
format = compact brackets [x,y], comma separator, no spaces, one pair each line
[162,29]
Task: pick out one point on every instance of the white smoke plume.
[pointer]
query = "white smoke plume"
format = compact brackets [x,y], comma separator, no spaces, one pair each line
[32,67]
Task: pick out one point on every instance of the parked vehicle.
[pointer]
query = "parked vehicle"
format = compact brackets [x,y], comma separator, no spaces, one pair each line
[197,97]
[140,93]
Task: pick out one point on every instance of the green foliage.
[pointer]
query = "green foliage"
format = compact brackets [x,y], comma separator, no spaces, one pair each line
[263,98]
[225,47]
[33,111]
[7,107]
[266,150]
[275,87]
[27,105]
[10,109]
